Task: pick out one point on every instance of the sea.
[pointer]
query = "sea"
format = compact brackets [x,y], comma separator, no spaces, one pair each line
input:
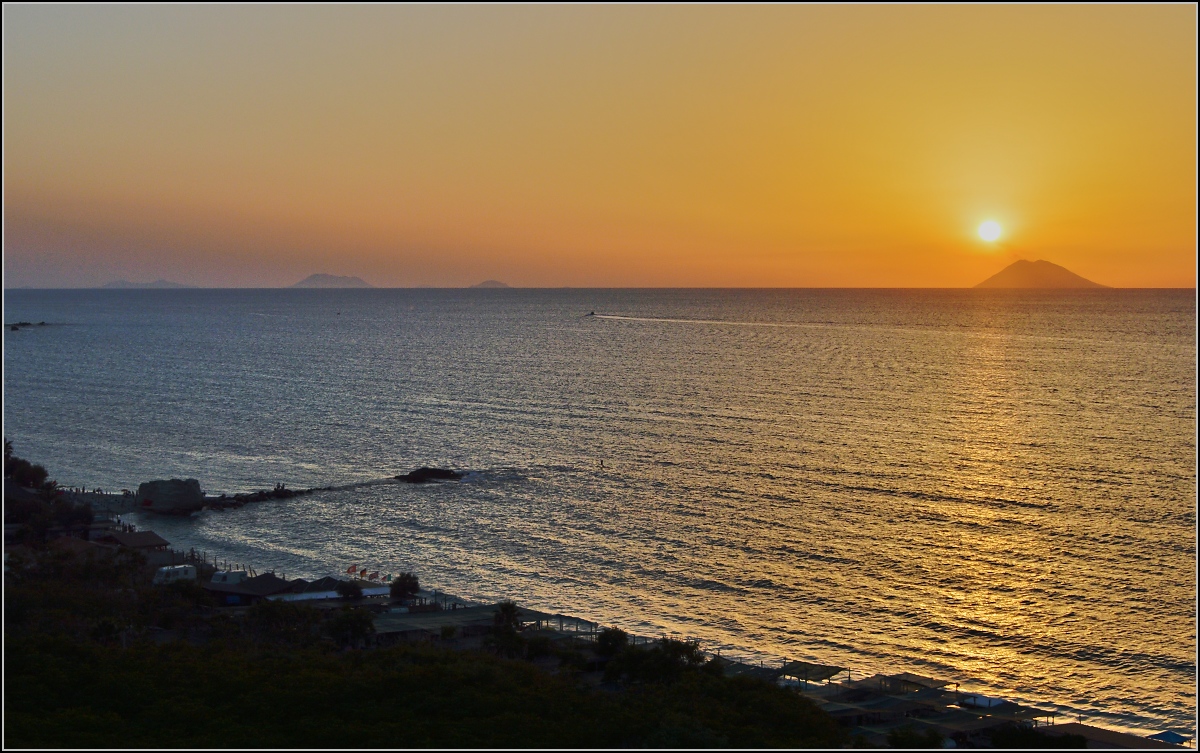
[997,488]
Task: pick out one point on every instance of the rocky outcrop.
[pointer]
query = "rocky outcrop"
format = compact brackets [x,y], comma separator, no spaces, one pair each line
[426,475]
[174,496]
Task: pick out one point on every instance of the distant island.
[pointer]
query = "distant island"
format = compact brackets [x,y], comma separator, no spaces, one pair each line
[157,285]
[490,284]
[1037,274]
[332,281]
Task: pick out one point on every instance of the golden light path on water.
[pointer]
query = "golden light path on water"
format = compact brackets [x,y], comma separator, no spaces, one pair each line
[996,488]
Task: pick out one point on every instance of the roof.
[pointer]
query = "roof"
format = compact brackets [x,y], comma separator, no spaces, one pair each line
[934,697]
[925,682]
[1014,712]
[403,622]
[1105,737]
[321,584]
[138,539]
[740,669]
[262,585]
[960,720]
[803,670]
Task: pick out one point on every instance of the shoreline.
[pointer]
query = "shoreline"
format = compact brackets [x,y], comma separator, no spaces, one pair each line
[767,661]
[120,504]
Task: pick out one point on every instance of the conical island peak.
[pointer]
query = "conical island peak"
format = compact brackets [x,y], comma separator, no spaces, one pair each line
[1037,274]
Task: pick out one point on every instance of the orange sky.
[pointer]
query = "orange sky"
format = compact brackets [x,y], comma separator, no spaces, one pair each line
[796,146]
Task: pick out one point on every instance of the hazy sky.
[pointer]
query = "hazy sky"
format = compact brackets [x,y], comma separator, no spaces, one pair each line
[598,145]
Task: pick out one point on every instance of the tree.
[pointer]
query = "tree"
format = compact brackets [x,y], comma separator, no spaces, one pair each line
[611,641]
[405,586]
[506,616]
[505,622]
[349,590]
[665,662]
[23,472]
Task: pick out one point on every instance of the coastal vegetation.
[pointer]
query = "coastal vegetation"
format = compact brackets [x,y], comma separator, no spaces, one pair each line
[1024,738]
[104,659]
[405,586]
[98,656]
[21,471]
[34,504]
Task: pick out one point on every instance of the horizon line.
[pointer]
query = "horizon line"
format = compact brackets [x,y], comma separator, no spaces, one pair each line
[597,287]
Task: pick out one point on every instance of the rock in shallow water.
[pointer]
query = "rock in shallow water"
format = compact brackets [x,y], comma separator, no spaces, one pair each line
[175,496]
[426,475]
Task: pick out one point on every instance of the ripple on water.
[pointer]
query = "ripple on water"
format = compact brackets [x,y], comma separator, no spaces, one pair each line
[994,487]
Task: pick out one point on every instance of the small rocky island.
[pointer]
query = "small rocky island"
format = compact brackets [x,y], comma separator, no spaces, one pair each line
[429,475]
[332,281]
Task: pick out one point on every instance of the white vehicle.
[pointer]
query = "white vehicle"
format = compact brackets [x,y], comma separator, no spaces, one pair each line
[229,577]
[174,573]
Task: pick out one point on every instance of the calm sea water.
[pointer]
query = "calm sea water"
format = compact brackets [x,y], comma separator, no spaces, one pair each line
[994,487]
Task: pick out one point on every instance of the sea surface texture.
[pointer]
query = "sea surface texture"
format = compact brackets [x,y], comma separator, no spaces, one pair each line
[994,487]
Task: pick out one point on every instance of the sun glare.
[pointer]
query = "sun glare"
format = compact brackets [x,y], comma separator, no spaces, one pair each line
[989,230]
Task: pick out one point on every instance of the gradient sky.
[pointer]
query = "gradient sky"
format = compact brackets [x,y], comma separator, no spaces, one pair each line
[795,146]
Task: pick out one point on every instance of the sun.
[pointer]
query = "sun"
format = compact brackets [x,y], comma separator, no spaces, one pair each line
[989,230]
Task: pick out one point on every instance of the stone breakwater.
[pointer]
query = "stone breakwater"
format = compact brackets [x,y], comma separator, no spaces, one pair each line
[224,502]
[422,475]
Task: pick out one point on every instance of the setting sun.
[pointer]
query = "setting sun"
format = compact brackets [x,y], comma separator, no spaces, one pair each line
[989,231]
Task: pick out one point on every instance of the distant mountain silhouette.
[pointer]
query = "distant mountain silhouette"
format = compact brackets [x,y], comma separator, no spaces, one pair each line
[1036,274]
[331,281]
[157,284]
[490,284]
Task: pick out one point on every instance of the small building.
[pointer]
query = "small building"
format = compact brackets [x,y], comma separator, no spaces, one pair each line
[142,541]
[234,589]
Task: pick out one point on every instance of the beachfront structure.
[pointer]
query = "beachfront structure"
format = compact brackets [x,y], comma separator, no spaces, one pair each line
[321,589]
[874,706]
[393,627]
[233,589]
[142,541]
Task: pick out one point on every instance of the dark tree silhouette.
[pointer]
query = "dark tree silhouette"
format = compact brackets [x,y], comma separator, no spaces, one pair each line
[405,586]
[610,641]
[506,615]
[349,590]
[505,622]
